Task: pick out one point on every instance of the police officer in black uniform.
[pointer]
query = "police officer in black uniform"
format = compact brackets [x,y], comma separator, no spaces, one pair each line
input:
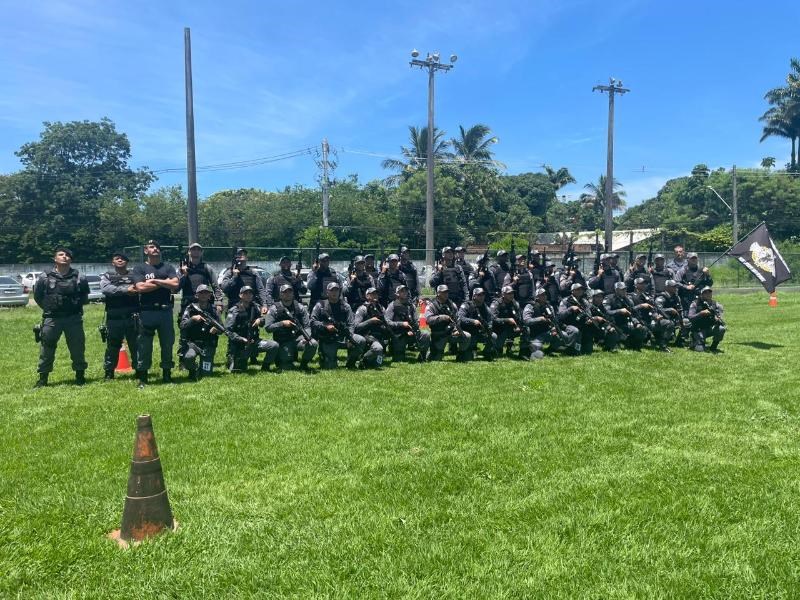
[507,323]
[155,282]
[412,276]
[606,276]
[192,274]
[659,274]
[661,328]
[201,336]
[621,308]
[373,271]
[285,276]
[522,282]
[370,322]
[401,316]
[441,314]
[122,311]
[574,318]
[604,330]
[462,261]
[705,314]
[333,326]
[542,322]
[450,274]
[635,270]
[240,275]
[290,326]
[693,279]
[244,319]
[320,277]
[670,304]
[355,290]
[389,280]
[475,318]
[499,269]
[61,294]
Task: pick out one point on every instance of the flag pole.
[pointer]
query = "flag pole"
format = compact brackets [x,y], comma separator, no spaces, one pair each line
[719,258]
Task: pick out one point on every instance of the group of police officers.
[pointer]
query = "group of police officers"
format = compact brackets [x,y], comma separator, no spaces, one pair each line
[518,305]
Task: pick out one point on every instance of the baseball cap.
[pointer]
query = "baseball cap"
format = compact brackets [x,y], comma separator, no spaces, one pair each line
[442,288]
[333,285]
[204,288]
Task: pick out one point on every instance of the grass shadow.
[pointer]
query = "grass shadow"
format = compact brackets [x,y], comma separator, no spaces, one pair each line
[759,345]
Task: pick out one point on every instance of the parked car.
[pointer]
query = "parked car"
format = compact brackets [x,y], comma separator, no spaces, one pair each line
[95,295]
[28,279]
[12,293]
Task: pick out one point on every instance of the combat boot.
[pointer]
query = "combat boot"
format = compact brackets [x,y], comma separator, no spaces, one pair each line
[166,375]
[80,377]
[42,382]
[109,375]
[141,377]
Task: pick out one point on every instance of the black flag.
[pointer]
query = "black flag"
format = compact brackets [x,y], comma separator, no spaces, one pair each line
[759,254]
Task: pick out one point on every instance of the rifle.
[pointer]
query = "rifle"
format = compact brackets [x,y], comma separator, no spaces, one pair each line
[383,257]
[299,264]
[513,268]
[650,255]
[569,256]
[341,327]
[209,319]
[596,252]
[596,311]
[528,256]
[297,327]
[714,311]
[630,251]
[551,316]
[351,268]
[374,311]
[182,262]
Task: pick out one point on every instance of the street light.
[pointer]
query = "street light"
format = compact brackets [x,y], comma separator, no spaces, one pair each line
[432,64]
[734,213]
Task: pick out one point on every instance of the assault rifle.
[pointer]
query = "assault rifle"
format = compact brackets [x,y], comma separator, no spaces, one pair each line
[551,316]
[298,328]
[512,269]
[650,255]
[298,267]
[596,252]
[703,305]
[209,319]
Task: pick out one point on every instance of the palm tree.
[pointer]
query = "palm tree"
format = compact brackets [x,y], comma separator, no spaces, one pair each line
[597,194]
[559,178]
[473,144]
[767,162]
[415,155]
[783,120]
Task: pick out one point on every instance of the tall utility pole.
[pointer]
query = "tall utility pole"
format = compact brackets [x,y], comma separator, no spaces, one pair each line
[191,164]
[432,64]
[735,210]
[326,201]
[614,87]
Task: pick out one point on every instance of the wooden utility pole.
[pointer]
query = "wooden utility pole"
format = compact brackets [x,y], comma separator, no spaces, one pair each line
[191,164]
[614,87]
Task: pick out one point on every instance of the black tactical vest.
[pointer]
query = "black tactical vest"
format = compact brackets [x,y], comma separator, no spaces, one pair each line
[62,295]
[120,304]
[196,275]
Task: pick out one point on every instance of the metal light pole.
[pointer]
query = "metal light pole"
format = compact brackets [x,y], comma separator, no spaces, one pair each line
[733,209]
[432,64]
[614,87]
[191,165]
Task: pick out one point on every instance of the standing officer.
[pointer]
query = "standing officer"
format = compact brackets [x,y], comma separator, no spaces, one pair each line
[522,282]
[507,323]
[606,276]
[240,275]
[499,269]
[476,319]
[621,309]
[372,270]
[442,316]
[155,282]
[635,270]
[332,324]
[678,263]
[462,261]
[450,274]
[389,280]
[321,277]
[284,276]
[659,274]
[360,281]
[401,316]
[122,311]
[290,326]
[412,276]
[692,281]
[244,320]
[370,322]
[201,336]
[61,294]
[705,315]
[193,274]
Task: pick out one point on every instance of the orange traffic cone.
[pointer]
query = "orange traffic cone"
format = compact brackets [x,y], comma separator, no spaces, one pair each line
[423,322]
[123,364]
[147,510]
[773,299]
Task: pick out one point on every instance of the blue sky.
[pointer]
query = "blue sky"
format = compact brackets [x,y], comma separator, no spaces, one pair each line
[274,77]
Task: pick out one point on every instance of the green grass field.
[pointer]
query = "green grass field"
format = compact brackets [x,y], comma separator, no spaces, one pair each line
[626,475]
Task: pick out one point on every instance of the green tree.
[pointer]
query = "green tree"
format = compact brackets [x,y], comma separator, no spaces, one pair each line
[559,178]
[768,162]
[474,144]
[415,154]
[596,195]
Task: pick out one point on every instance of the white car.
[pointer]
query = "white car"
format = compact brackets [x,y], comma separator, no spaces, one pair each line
[12,293]
[28,279]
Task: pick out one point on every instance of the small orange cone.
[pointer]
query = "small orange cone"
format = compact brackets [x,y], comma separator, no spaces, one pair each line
[423,322]
[147,510]
[773,299]
[123,364]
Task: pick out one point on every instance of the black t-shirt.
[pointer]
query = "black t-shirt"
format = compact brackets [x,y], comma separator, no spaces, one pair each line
[146,272]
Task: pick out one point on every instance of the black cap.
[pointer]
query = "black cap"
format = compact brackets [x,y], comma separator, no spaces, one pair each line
[121,254]
[65,250]
[284,258]
[195,245]
[153,243]
[459,248]
[241,252]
